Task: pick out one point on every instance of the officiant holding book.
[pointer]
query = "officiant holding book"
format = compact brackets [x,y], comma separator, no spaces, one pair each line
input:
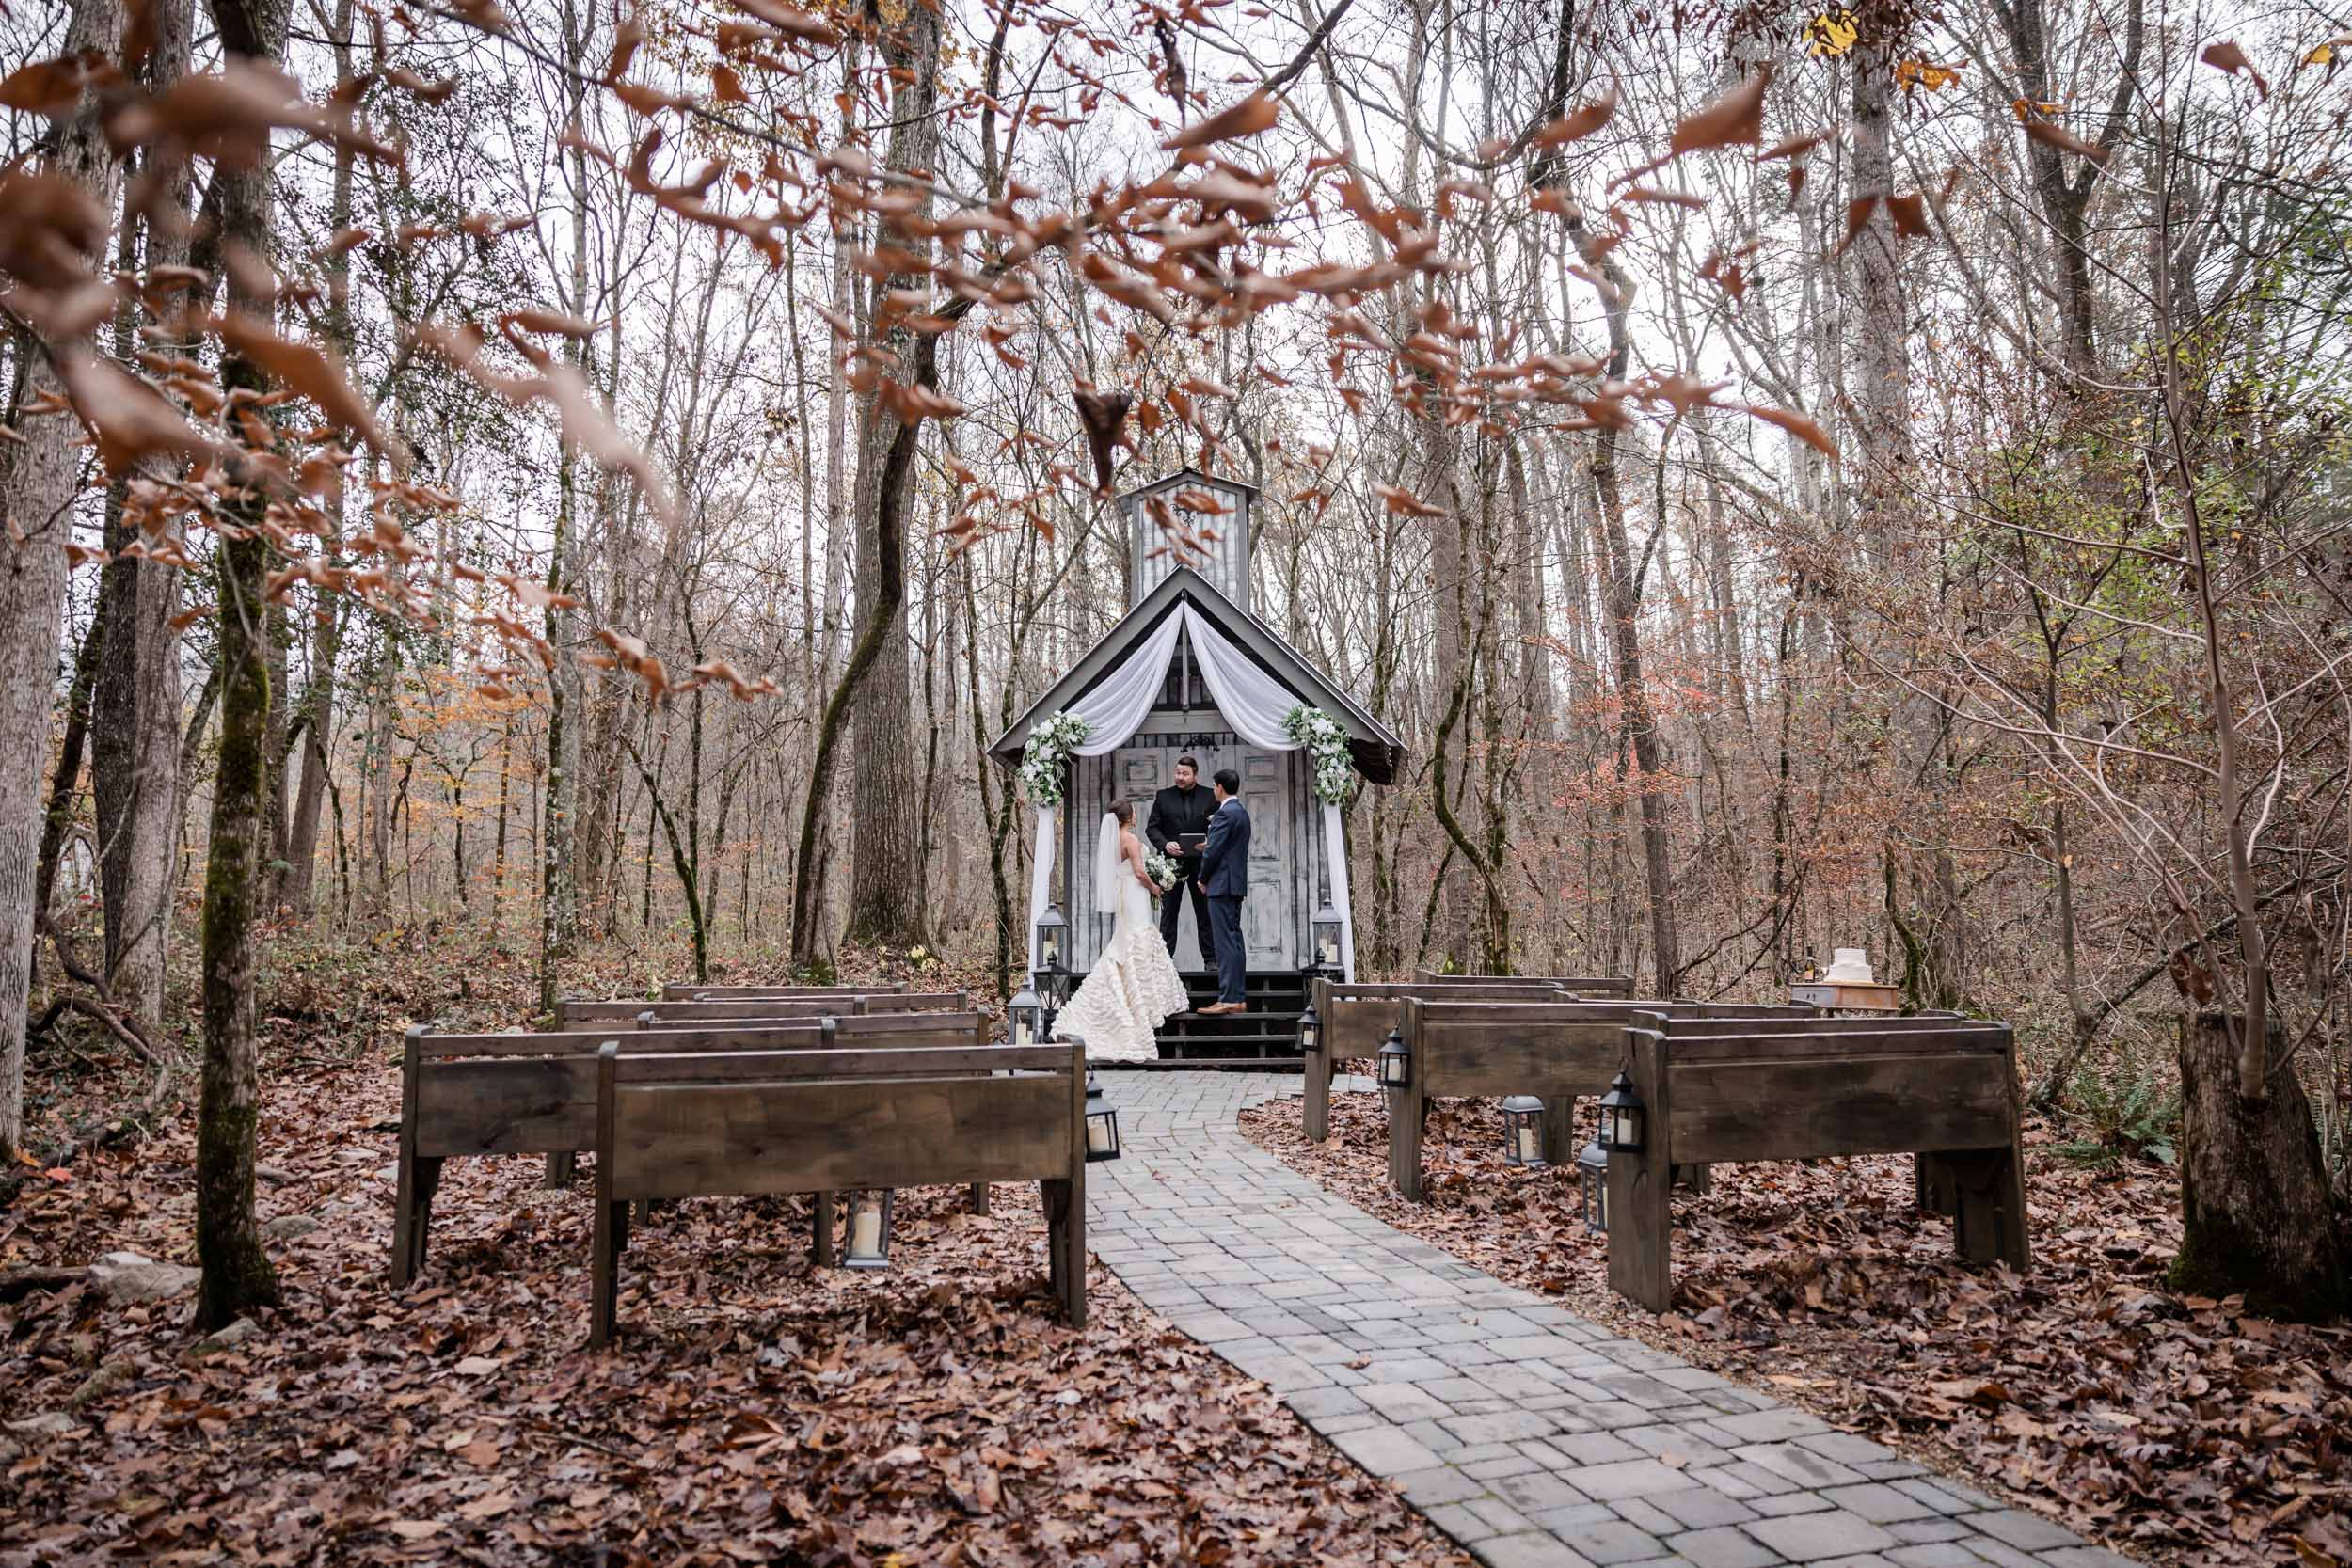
[1179,825]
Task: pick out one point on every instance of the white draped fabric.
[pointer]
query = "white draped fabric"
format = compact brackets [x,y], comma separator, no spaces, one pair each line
[1335,855]
[1249,699]
[1121,699]
[1253,702]
[1040,877]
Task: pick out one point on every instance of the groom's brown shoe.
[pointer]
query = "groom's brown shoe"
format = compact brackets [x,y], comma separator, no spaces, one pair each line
[1226,1007]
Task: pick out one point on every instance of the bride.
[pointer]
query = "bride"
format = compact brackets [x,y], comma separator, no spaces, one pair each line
[1133,985]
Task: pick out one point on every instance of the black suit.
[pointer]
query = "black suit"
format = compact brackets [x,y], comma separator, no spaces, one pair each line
[1175,813]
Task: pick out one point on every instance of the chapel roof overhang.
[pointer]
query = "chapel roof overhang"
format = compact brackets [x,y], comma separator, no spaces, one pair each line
[1376,752]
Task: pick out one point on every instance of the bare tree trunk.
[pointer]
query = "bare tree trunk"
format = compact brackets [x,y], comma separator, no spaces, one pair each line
[135,755]
[67,779]
[2257,1215]
[559,912]
[237,1270]
[298,880]
[888,896]
[37,496]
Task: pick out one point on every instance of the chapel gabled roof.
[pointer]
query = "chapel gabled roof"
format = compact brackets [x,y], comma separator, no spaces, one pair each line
[1376,752]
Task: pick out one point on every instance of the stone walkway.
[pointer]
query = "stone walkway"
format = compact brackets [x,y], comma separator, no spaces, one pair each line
[1533,1437]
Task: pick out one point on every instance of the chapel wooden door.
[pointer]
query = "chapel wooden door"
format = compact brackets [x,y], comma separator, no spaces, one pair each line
[1273,922]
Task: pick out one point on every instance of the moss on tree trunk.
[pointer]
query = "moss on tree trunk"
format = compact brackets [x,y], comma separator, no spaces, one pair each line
[237,1272]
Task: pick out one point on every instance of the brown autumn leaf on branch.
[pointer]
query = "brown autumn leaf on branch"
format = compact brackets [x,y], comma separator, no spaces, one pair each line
[53,88]
[1796,424]
[557,322]
[229,114]
[53,230]
[1258,112]
[2228,56]
[1734,119]
[1796,147]
[1579,122]
[794,23]
[1105,415]
[1403,503]
[308,370]
[129,418]
[2051,134]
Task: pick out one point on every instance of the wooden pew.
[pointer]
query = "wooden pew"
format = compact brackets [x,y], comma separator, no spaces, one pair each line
[1578,984]
[694,1015]
[1934,1181]
[623,1012]
[853,1117]
[535,1094]
[1353,1017]
[464,1094]
[1936,1087]
[1555,1051]
[687,991]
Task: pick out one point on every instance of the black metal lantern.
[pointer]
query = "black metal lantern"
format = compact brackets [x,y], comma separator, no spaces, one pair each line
[1026,1017]
[1591,1181]
[1621,1117]
[1052,933]
[869,1230]
[1326,938]
[1102,1125]
[1395,1062]
[1309,1031]
[1523,1131]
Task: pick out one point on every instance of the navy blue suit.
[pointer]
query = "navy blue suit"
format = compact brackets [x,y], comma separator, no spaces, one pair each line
[1225,872]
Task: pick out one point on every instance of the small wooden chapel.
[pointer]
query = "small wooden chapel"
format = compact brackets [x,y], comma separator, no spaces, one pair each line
[1189,670]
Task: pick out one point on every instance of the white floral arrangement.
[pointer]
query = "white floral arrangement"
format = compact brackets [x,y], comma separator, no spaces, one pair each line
[1161,869]
[1326,741]
[1056,737]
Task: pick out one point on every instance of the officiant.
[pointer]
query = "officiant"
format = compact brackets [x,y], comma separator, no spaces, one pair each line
[1179,825]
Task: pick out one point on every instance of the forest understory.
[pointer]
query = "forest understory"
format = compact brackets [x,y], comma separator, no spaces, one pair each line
[2178,1429]
[755,1409]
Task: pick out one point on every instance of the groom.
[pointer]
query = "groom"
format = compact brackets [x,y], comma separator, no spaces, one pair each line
[1225,877]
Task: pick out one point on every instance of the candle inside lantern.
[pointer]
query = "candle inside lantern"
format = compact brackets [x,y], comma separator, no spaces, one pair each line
[1098,1135]
[1531,1142]
[865,1231]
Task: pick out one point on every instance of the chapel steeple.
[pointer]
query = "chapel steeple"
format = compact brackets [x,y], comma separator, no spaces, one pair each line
[1189,519]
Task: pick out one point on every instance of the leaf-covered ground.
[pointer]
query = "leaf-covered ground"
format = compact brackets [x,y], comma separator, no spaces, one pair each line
[756,1410]
[2178,1430]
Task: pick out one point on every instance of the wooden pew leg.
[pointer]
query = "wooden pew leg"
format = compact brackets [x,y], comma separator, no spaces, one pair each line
[1932,1183]
[428,1181]
[1700,1180]
[820,1248]
[1407,1108]
[404,1221]
[1641,1194]
[2008,1197]
[1054,1197]
[604,1273]
[1317,1114]
[1066,1246]
[1976,1225]
[1073,1272]
[562,1165]
[1560,1130]
[1641,1235]
[978,1201]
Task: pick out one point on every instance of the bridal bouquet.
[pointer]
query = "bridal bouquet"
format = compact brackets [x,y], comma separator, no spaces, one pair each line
[1161,869]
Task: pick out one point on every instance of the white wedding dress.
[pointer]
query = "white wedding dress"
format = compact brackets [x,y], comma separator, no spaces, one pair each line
[1132,985]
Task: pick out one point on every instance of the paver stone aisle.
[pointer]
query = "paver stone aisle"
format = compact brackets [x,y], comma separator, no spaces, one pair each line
[1535,1438]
